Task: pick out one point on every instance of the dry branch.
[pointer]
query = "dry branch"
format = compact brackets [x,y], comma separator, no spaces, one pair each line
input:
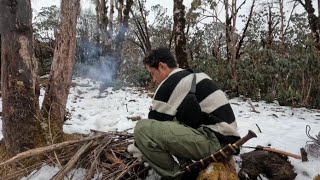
[91,170]
[33,152]
[72,162]
[252,107]
[103,154]
[126,170]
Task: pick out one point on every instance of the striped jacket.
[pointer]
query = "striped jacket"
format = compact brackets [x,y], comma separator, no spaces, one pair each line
[213,101]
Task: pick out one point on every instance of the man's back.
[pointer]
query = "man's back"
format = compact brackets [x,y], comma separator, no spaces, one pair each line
[218,114]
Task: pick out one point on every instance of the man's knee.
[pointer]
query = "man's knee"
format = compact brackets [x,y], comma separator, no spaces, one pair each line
[142,127]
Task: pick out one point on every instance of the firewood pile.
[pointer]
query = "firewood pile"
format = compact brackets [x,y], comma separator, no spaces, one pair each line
[103,154]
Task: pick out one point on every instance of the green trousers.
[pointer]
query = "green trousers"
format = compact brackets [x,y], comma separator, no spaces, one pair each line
[159,140]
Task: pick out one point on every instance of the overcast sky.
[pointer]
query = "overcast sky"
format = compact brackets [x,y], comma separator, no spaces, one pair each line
[37,4]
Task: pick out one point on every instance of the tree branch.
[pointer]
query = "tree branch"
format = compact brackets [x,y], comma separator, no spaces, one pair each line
[73,161]
[245,30]
[52,147]
[290,17]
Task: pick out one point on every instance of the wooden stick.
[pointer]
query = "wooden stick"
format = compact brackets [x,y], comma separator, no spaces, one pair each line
[285,153]
[90,172]
[96,158]
[125,171]
[112,133]
[113,159]
[252,107]
[72,162]
[259,128]
[52,147]
[282,152]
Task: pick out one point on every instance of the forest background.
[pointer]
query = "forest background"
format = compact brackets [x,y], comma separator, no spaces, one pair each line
[264,50]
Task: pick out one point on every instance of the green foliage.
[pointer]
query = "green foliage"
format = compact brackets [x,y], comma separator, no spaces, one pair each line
[215,70]
[45,66]
[268,74]
[46,22]
[45,27]
[288,96]
[137,75]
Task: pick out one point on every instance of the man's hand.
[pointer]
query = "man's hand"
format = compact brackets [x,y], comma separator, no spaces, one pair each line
[132,149]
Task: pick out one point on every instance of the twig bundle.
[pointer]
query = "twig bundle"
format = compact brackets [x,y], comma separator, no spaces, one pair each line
[102,154]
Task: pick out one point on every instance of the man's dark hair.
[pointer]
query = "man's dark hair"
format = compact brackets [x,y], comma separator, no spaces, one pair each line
[160,55]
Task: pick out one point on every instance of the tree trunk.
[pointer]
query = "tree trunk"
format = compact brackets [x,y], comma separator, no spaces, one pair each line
[314,21]
[282,25]
[269,42]
[179,35]
[231,40]
[98,23]
[111,12]
[20,112]
[120,8]
[55,100]
[123,25]
[104,21]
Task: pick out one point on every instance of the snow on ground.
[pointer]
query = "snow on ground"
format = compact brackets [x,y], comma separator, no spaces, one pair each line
[105,111]
[281,127]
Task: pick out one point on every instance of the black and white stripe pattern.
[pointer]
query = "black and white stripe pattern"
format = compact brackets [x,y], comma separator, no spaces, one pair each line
[212,100]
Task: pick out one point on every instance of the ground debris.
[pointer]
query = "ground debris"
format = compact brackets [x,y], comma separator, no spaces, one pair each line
[102,154]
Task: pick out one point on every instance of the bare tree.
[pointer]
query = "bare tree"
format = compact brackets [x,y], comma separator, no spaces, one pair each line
[112,41]
[314,24]
[97,2]
[111,12]
[123,24]
[142,32]
[20,112]
[240,43]
[283,25]
[233,45]
[314,21]
[271,27]
[54,104]
[123,27]
[179,35]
